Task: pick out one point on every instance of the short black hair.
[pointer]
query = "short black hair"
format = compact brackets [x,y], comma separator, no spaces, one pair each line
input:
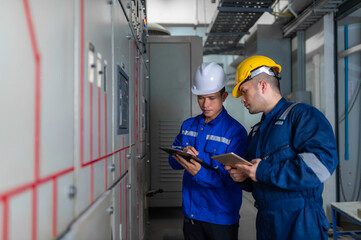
[223,90]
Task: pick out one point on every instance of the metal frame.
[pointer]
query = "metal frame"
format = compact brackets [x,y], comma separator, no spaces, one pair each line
[336,233]
[310,16]
[231,22]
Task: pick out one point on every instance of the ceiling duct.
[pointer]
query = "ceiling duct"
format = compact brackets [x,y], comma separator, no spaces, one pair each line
[309,16]
[232,21]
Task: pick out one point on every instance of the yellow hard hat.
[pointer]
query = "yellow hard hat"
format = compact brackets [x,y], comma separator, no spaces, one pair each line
[245,68]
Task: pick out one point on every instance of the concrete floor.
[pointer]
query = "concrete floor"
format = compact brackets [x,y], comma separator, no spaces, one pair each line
[167,223]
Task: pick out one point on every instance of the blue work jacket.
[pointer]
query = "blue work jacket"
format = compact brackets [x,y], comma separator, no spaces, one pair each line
[211,195]
[298,151]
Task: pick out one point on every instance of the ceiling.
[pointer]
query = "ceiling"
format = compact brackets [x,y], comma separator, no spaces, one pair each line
[233,20]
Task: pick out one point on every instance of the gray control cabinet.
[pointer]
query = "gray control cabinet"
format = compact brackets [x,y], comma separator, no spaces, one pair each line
[173,61]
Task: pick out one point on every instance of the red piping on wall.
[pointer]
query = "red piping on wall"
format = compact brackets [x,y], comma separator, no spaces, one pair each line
[28,186]
[34,211]
[5,218]
[55,208]
[36,54]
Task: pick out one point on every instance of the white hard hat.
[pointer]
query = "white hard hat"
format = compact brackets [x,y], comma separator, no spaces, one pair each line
[209,78]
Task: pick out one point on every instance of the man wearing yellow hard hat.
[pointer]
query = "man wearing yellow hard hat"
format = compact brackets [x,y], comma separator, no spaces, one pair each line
[293,151]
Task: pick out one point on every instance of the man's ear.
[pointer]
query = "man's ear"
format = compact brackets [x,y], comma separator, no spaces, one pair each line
[264,85]
[224,96]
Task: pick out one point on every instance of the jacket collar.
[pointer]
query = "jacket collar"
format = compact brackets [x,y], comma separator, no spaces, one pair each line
[216,120]
[275,110]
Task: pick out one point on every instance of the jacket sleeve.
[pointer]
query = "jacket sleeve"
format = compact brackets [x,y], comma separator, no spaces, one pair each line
[316,158]
[176,144]
[220,177]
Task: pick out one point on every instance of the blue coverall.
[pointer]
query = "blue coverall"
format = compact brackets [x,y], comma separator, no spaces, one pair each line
[298,151]
[211,195]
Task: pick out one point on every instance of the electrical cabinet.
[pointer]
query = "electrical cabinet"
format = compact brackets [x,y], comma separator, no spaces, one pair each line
[173,62]
[73,145]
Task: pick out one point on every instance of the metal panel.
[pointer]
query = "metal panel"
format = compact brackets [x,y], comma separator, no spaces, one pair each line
[122,36]
[142,190]
[64,203]
[115,220]
[97,217]
[17,94]
[53,119]
[125,5]
[170,85]
[117,166]
[45,213]
[123,50]
[97,102]
[133,196]
[57,85]
[165,107]
[118,219]
[99,179]
[20,215]
[83,190]
[125,159]
[133,74]
[125,202]
[97,31]
[133,163]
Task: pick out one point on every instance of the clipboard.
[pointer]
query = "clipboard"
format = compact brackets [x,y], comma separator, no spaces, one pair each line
[185,155]
[231,159]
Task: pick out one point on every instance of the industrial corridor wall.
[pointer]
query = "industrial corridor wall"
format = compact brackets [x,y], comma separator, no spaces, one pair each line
[73,127]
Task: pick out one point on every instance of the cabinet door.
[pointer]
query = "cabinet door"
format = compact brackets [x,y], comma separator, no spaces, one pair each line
[172,64]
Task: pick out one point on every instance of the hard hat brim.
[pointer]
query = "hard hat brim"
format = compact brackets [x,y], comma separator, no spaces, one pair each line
[236,91]
[197,92]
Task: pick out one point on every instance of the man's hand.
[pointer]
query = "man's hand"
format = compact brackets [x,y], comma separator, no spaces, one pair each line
[241,172]
[192,167]
[236,175]
[191,150]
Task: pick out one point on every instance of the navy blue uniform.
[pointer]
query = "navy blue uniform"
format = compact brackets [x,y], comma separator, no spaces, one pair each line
[211,195]
[298,151]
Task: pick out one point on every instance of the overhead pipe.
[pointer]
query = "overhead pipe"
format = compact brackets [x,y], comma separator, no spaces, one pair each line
[346,93]
[301,61]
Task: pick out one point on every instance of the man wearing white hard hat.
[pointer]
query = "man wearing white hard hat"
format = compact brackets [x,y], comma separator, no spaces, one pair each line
[211,199]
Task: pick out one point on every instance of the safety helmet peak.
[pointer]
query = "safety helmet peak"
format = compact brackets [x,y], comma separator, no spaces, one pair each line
[209,78]
[251,67]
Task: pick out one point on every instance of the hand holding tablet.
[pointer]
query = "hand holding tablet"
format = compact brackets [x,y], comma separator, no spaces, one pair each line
[231,159]
[185,155]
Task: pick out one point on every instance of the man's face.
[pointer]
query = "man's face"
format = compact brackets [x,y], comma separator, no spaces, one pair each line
[211,104]
[251,95]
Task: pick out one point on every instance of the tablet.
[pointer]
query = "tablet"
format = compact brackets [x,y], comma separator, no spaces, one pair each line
[185,155]
[231,159]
